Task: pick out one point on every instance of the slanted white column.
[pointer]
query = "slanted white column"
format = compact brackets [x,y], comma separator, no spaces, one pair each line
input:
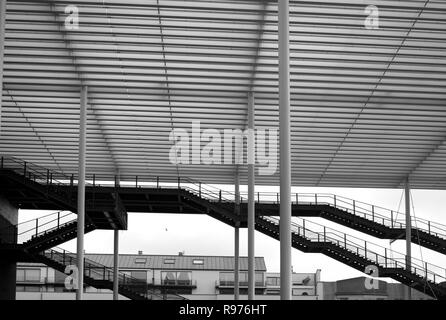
[408,235]
[251,199]
[285,154]
[81,191]
[237,238]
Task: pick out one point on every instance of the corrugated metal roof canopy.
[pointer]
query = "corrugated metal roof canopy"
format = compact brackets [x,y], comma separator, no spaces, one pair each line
[368,105]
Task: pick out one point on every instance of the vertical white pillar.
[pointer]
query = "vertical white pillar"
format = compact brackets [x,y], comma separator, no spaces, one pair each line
[408,235]
[285,154]
[116,266]
[237,238]
[81,191]
[251,199]
[2,47]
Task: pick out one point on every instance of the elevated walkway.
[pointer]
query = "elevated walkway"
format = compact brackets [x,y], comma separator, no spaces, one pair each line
[29,190]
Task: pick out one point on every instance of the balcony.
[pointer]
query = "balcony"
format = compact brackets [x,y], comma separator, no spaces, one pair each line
[173,284]
[242,284]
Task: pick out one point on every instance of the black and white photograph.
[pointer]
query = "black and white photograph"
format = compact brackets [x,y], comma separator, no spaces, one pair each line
[212,159]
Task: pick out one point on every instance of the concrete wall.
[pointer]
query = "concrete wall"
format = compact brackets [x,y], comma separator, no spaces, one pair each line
[8,211]
[8,217]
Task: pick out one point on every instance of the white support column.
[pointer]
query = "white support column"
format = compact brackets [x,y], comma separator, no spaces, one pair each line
[251,199]
[2,47]
[285,154]
[408,235]
[81,191]
[237,238]
[116,247]
[116,266]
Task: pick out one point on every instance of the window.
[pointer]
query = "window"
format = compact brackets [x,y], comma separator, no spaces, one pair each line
[198,261]
[20,275]
[243,279]
[226,278]
[31,275]
[169,278]
[140,260]
[184,278]
[259,279]
[169,261]
[140,275]
[273,281]
[174,278]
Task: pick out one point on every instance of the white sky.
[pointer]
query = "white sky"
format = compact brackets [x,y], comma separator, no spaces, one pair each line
[203,235]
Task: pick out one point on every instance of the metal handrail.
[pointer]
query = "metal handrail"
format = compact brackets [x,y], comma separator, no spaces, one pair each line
[368,211]
[377,254]
[33,228]
[100,272]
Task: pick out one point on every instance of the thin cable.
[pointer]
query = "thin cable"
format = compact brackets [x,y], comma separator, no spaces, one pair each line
[374,89]
[121,68]
[419,245]
[395,218]
[167,81]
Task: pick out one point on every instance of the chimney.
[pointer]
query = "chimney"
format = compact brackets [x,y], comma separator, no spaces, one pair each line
[139,252]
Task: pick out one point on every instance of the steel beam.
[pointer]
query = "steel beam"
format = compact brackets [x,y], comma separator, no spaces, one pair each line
[408,234]
[116,266]
[237,238]
[251,199]
[81,191]
[285,147]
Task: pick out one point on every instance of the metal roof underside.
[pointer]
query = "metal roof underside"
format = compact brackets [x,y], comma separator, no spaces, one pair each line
[368,106]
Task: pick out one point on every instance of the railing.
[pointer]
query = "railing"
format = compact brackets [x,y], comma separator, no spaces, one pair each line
[174,282]
[100,272]
[58,182]
[49,178]
[371,212]
[367,211]
[364,210]
[34,228]
[229,283]
[376,254]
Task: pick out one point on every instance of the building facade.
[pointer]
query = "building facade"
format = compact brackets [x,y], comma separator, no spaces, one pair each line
[355,289]
[193,277]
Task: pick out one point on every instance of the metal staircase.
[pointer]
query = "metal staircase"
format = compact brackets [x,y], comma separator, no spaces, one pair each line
[101,277]
[367,218]
[35,237]
[45,232]
[183,195]
[31,240]
[308,236]
[50,190]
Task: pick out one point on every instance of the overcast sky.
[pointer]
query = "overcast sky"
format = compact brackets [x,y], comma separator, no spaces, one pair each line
[203,235]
